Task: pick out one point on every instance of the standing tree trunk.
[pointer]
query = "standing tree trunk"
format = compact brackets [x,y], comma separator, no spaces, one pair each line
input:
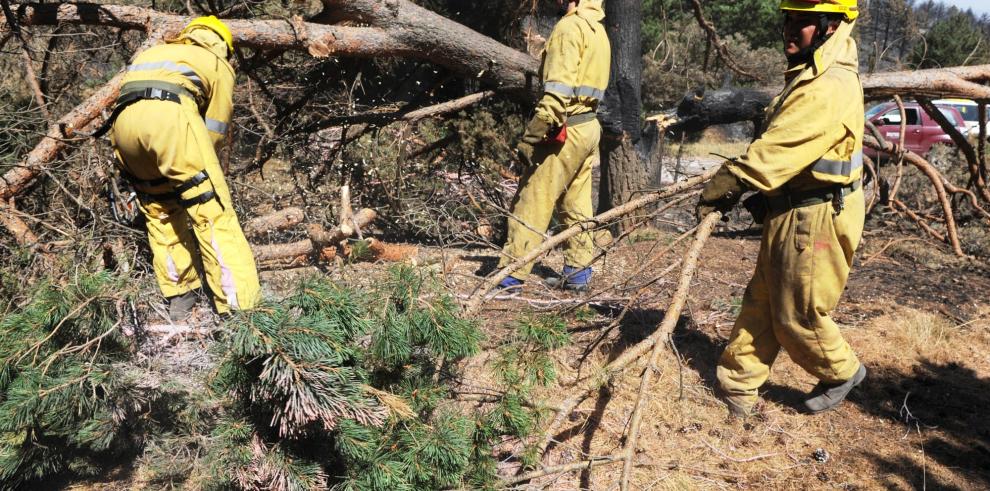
[622,169]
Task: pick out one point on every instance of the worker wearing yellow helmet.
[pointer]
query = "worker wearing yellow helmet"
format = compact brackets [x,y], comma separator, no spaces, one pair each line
[173,111]
[806,168]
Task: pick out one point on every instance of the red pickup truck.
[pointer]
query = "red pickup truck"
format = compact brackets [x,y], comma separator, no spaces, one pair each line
[921,131]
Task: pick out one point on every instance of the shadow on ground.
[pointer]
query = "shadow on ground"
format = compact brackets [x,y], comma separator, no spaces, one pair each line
[945,403]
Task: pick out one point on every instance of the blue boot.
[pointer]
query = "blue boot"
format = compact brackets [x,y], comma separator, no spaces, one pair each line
[574,279]
[510,285]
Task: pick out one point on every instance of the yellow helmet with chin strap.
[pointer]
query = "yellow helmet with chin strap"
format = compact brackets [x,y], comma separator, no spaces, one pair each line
[847,8]
[216,25]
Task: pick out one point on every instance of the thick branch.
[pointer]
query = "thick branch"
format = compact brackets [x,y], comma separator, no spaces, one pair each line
[279,220]
[936,82]
[670,318]
[442,41]
[360,220]
[933,176]
[264,34]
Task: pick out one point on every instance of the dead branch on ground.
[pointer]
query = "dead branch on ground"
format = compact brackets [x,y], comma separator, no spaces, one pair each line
[670,318]
[589,383]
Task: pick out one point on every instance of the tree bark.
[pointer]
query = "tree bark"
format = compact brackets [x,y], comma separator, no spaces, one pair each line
[279,220]
[441,41]
[622,169]
[399,28]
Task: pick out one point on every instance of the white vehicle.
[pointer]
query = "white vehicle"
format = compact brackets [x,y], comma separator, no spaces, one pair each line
[968,109]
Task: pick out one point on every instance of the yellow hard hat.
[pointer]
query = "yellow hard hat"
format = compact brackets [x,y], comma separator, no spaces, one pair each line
[216,25]
[847,8]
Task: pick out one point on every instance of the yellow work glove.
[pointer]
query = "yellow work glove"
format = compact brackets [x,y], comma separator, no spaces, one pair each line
[536,130]
[721,193]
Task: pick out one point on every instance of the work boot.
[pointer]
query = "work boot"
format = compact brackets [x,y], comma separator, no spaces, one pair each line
[180,306]
[826,396]
[573,279]
[740,407]
[510,285]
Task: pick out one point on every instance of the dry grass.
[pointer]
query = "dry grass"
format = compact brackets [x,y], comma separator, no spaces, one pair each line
[915,422]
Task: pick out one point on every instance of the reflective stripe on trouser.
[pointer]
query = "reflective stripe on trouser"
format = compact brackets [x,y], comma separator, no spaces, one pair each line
[160,138]
[803,265]
[561,183]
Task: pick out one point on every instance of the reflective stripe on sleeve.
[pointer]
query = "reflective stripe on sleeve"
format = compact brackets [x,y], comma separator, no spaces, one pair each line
[839,167]
[216,126]
[565,90]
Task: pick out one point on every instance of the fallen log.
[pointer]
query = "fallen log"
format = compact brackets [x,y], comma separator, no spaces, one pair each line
[319,239]
[279,220]
[291,250]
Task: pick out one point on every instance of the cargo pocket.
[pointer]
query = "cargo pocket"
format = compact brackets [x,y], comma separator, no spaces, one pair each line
[805,227]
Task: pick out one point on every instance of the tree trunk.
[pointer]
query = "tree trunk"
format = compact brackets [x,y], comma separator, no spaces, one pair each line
[623,172]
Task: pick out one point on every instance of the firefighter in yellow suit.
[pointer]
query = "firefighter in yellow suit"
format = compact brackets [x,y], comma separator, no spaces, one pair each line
[174,108]
[557,174]
[808,165]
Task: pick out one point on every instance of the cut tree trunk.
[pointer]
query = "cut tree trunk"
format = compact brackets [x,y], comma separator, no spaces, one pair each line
[279,220]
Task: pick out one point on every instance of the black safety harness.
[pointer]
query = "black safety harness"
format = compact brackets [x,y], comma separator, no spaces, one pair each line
[136,91]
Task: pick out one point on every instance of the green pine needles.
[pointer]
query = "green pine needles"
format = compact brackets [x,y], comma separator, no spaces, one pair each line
[329,388]
[64,403]
[334,388]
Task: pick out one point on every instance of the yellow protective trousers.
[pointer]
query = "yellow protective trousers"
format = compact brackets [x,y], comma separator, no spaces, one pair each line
[561,183]
[155,139]
[804,261]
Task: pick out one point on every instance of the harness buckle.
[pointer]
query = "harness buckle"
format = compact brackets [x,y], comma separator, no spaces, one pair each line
[838,200]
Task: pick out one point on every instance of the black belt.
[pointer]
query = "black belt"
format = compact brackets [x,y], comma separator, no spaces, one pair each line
[176,194]
[810,197]
[185,203]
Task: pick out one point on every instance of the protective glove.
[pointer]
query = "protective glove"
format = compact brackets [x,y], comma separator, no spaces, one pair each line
[720,194]
[536,130]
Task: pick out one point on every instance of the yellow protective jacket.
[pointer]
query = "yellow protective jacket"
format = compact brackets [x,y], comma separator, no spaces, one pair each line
[814,129]
[575,65]
[197,64]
